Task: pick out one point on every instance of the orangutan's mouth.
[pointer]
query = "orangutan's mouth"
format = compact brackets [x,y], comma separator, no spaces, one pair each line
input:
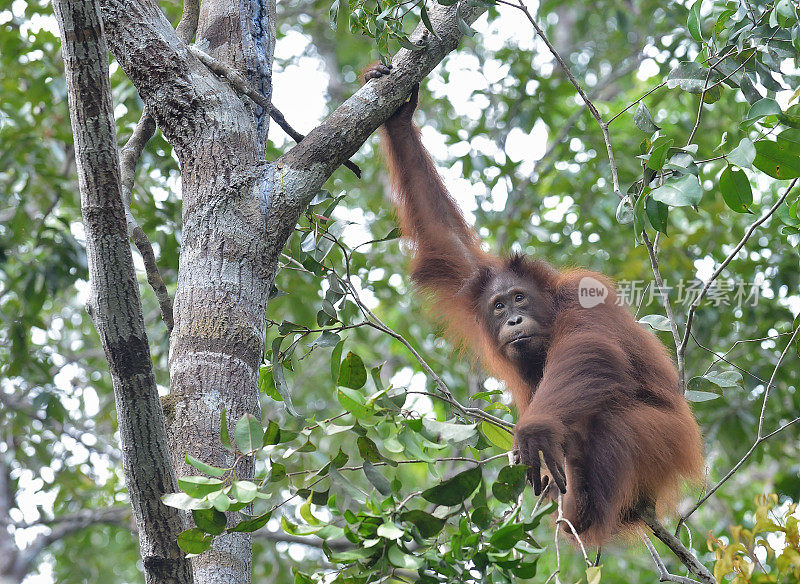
[520,339]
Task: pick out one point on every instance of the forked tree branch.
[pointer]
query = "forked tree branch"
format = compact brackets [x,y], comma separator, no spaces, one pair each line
[129,156]
[687,558]
[293,180]
[238,81]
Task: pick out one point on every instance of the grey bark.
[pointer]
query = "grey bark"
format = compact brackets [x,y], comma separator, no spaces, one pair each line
[238,211]
[114,302]
[295,177]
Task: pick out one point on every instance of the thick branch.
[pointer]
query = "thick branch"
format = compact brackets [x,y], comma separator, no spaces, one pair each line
[663,573]
[687,558]
[114,302]
[238,81]
[300,173]
[129,157]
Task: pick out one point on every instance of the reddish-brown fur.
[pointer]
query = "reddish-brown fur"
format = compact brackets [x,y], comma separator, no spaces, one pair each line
[607,398]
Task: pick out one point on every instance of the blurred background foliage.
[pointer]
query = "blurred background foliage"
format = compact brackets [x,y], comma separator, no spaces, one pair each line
[527,162]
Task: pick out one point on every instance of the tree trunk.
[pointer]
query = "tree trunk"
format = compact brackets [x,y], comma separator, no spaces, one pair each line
[238,211]
[114,304]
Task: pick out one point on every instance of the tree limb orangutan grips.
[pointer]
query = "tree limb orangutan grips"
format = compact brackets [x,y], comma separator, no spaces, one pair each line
[597,395]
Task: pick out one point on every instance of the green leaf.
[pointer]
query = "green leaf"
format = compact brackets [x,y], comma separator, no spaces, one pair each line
[353,402]
[326,339]
[525,570]
[198,487]
[203,467]
[194,541]
[280,378]
[407,44]
[351,490]
[307,515]
[450,432]
[736,191]
[224,437]
[725,378]
[427,524]
[277,472]
[333,14]
[764,107]
[693,24]
[248,434]
[377,479]
[272,435]
[184,501]
[486,395]
[507,536]
[743,155]
[455,490]
[656,321]
[252,524]
[389,530]
[790,139]
[220,501]
[643,119]
[352,372]
[510,483]
[336,358]
[400,559]
[482,517]
[785,13]
[658,152]
[594,573]
[625,211]
[243,491]
[690,76]
[426,19]
[464,27]
[657,213]
[680,192]
[779,159]
[210,520]
[700,389]
[354,555]
[497,436]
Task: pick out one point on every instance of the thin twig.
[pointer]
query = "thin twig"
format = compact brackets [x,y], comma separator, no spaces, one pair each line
[589,104]
[724,360]
[681,352]
[633,103]
[373,321]
[652,251]
[568,523]
[545,163]
[410,461]
[700,107]
[735,344]
[760,436]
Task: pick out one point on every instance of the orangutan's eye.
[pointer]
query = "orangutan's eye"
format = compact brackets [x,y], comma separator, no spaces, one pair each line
[518,298]
[499,306]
